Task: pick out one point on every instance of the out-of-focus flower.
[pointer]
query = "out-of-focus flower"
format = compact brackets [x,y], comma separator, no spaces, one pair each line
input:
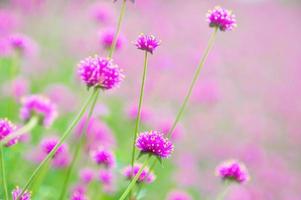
[47,144]
[38,105]
[100,72]
[18,88]
[153,142]
[62,160]
[232,170]
[6,128]
[101,13]
[103,157]
[165,127]
[146,176]
[86,175]
[23,44]
[105,176]
[145,114]
[221,18]
[178,195]
[107,37]
[17,191]
[147,43]
[78,196]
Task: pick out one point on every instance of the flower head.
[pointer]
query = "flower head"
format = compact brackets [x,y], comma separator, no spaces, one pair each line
[232,170]
[40,106]
[107,38]
[100,72]
[105,176]
[23,44]
[221,18]
[146,176]
[178,195]
[103,157]
[6,128]
[155,143]
[86,175]
[17,191]
[47,145]
[147,43]
[78,196]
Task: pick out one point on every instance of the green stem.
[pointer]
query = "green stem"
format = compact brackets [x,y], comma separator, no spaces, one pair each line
[194,80]
[134,180]
[62,139]
[78,147]
[138,119]
[25,129]
[3,173]
[122,12]
[224,192]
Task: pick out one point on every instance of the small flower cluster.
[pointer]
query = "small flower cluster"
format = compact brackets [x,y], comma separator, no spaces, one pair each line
[7,128]
[221,18]
[16,193]
[146,176]
[103,157]
[147,43]
[232,170]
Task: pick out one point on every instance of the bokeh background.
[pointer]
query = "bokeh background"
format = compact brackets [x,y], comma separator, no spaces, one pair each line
[246,105]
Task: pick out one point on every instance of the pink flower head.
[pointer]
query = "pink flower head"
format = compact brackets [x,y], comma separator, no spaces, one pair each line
[103,157]
[146,176]
[105,176]
[178,195]
[147,43]
[78,196]
[101,13]
[17,191]
[221,18]
[107,38]
[6,128]
[100,72]
[19,87]
[23,44]
[40,106]
[86,175]
[232,170]
[47,145]
[155,143]
[145,114]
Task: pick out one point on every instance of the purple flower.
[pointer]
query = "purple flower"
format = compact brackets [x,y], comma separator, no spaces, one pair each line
[86,175]
[221,18]
[6,128]
[100,72]
[17,191]
[178,195]
[107,38]
[78,196]
[103,157]
[155,143]
[232,170]
[40,106]
[47,144]
[147,43]
[146,176]
[105,176]
[23,44]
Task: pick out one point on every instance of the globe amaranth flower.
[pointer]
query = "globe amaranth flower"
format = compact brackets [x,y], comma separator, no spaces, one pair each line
[146,176]
[221,18]
[106,176]
[38,105]
[103,157]
[154,143]
[100,72]
[78,196]
[147,43]
[107,38]
[7,128]
[86,175]
[178,195]
[17,191]
[232,170]
[47,145]
[23,44]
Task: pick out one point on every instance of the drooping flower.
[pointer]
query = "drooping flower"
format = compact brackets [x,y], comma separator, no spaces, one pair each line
[146,176]
[233,170]
[47,145]
[6,128]
[155,143]
[221,18]
[103,157]
[147,43]
[100,72]
[17,191]
[38,105]
[86,175]
[107,38]
[178,195]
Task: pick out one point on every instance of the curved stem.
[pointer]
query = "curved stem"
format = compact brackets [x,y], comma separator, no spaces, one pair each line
[25,129]
[78,147]
[62,139]
[138,119]
[194,80]
[122,12]
[3,173]
[134,180]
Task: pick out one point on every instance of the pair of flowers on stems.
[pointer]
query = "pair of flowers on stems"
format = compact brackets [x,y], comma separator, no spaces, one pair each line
[154,143]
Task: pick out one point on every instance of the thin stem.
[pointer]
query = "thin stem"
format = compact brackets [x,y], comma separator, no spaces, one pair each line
[224,192]
[122,12]
[62,139]
[138,119]
[25,129]
[3,173]
[78,147]
[134,180]
[194,80]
